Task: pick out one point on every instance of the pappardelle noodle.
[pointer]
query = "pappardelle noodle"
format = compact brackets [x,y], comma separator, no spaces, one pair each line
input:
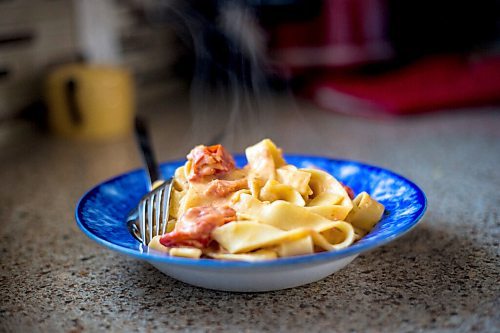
[265,210]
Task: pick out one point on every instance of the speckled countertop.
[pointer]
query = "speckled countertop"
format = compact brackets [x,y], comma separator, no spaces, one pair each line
[444,276]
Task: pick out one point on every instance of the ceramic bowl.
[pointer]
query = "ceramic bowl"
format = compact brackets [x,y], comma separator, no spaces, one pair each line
[101,214]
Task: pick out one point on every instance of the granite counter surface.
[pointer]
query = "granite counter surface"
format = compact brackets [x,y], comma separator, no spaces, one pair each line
[444,276]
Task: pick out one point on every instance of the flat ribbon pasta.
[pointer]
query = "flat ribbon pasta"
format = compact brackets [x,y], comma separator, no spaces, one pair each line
[259,255]
[263,159]
[348,237]
[322,182]
[277,209]
[280,214]
[273,190]
[246,236]
[366,212]
[298,179]
[297,247]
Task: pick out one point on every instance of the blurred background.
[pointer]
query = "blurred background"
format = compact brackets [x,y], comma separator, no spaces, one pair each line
[409,85]
[84,68]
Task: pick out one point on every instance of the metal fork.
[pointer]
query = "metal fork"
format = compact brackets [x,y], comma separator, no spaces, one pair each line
[150,217]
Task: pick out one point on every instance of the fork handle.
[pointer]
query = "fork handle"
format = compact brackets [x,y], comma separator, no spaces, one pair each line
[146,149]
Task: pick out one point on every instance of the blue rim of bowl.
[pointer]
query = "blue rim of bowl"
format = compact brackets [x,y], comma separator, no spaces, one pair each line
[158,257]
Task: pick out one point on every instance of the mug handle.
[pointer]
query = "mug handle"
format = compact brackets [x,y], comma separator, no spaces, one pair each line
[73,109]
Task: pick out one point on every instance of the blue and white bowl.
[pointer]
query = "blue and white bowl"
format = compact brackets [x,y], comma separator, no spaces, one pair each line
[102,212]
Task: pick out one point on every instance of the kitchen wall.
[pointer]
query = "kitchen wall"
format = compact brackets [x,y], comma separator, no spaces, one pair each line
[36,35]
[33,35]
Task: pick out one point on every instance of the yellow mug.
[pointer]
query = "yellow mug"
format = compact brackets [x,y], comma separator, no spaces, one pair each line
[90,101]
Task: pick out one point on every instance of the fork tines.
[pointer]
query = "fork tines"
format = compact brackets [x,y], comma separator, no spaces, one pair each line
[153,213]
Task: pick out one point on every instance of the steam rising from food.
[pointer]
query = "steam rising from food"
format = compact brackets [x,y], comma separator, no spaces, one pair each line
[232,101]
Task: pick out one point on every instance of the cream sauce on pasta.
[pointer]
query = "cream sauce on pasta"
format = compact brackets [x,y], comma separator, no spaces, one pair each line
[266,210]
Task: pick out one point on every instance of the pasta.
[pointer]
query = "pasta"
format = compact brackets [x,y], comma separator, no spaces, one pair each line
[266,210]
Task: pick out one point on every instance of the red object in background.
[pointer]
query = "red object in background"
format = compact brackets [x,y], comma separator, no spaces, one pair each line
[346,33]
[430,84]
